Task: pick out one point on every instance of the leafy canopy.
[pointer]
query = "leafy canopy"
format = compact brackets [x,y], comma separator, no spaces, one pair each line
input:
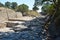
[13,5]
[35,8]
[22,8]
[8,4]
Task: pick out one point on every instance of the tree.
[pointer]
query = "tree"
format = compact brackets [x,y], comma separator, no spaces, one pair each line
[35,8]
[49,9]
[55,17]
[13,5]
[22,8]
[1,5]
[45,6]
[55,4]
[8,4]
[54,8]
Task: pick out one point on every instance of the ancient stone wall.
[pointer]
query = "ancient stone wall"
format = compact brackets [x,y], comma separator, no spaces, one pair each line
[6,13]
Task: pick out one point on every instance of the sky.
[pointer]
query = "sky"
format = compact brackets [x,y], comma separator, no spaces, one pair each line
[30,3]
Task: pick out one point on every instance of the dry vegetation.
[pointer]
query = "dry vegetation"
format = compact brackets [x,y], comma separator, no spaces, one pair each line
[33,13]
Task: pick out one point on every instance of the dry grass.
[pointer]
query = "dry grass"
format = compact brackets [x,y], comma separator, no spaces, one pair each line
[33,13]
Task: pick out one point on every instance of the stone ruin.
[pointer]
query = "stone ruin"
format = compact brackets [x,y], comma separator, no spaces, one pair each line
[6,14]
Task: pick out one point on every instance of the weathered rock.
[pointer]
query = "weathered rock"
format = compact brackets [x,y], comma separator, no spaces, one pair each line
[2,25]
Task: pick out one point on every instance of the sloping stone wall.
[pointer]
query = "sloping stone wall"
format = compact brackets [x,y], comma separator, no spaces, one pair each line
[6,13]
[3,14]
[11,13]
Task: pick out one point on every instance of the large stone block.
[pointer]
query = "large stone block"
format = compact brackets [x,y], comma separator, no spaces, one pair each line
[6,13]
[18,14]
[2,25]
[11,23]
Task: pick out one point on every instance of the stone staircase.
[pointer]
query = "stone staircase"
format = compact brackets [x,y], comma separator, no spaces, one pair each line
[28,30]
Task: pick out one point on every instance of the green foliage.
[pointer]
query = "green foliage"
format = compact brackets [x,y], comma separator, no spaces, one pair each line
[40,2]
[50,9]
[8,4]
[1,5]
[54,12]
[13,5]
[37,2]
[22,8]
[44,8]
[35,8]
